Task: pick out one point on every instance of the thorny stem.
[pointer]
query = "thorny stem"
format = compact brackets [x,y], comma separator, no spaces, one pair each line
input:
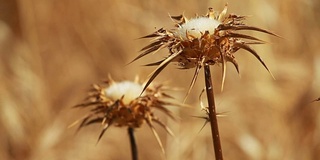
[134,148]
[212,114]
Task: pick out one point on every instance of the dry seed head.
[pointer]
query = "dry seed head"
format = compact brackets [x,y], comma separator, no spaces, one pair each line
[120,104]
[210,39]
[129,90]
[196,27]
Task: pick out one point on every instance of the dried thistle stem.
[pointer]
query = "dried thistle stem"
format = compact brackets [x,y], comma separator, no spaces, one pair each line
[134,148]
[212,113]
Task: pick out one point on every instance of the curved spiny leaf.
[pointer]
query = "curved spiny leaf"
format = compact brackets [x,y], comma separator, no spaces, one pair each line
[249,49]
[163,126]
[156,136]
[235,63]
[207,120]
[178,18]
[85,104]
[160,68]
[244,27]
[224,66]
[155,63]
[151,45]
[194,79]
[95,120]
[154,34]
[106,126]
[149,50]
[238,35]
[83,122]
[250,43]
[165,110]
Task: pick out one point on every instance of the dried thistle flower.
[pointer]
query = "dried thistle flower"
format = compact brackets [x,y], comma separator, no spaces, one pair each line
[119,104]
[210,39]
[200,42]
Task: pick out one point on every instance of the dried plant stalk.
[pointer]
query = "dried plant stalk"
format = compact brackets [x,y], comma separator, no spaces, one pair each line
[200,42]
[133,144]
[212,114]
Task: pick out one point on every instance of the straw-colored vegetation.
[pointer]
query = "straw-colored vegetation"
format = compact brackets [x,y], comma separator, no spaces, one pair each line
[51,51]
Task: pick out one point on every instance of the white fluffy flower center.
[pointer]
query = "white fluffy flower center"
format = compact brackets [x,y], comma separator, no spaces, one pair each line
[128,89]
[197,27]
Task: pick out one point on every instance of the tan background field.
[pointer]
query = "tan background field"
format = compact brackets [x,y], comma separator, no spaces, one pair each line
[51,51]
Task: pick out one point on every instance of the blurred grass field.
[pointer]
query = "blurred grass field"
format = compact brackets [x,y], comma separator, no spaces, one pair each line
[51,51]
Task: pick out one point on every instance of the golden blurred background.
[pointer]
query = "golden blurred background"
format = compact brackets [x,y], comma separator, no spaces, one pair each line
[51,51]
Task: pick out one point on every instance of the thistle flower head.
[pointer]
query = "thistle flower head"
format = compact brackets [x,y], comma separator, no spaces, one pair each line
[120,104]
[204,40]
[126,90]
